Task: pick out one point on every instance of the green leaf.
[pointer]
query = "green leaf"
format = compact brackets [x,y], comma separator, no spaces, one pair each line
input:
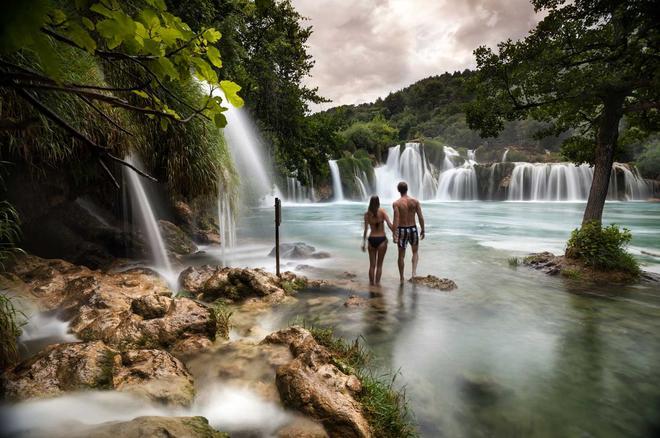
[102,10]
[211,35]
[149,18]
[170,35]
[230,89]
[89,24]
[81,37]
[213,54]
[166,68]
[205,71]
[141,93]
[57,17]
[153,47]
[220,120]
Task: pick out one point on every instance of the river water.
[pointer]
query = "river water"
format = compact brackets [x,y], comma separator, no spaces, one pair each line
[512,351]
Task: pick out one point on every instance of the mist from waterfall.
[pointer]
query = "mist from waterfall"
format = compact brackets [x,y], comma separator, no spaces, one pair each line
[143,214]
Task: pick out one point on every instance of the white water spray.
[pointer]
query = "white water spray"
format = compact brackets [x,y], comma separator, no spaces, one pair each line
[338,192]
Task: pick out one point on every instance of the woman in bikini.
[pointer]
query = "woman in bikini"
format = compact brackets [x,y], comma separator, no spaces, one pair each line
[375,217]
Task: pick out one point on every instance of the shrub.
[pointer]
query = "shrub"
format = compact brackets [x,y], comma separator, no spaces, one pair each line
[602,248]
[11,321]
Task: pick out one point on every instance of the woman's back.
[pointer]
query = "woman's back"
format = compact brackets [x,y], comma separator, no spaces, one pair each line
[376,222]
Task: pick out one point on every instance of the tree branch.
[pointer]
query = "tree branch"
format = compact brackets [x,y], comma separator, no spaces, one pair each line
[43,109]
[105,116]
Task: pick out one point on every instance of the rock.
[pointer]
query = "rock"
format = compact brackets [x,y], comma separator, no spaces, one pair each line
[140,427]
[239,284]
[208,237]
[299,250]
[190,346]
[184,215]
[60,368]
[302,428]
[151,306]
[175,239]
[156,375]
[355,301]
[312,384]
[434,282]
[481,389]
[347,274]
[127,309]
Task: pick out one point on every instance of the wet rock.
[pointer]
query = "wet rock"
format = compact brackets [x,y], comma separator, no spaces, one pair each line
[184,214]
[161,427]
[348,274]
[299,250]
[151,306]
[355,301]
[60,368]
[190,346]
[481,389]
[434,282]
[129,309]
[312,384]
[545,261]
[176,240]
[239,284]
[302,428]
[156,375]
[208,237]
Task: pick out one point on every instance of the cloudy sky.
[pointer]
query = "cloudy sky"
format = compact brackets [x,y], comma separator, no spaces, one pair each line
[366,48]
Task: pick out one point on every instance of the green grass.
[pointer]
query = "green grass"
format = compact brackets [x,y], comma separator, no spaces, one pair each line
[573,274]
[222,316]
[514,262]
[384,405]
[11,321]
[291,287]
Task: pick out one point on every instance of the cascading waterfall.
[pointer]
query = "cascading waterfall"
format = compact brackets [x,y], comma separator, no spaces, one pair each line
[296,192]
[337,190]
[410,165]
[144,216]
[362,183]
[506,152]
[458,183]
[568,182]
[226,221]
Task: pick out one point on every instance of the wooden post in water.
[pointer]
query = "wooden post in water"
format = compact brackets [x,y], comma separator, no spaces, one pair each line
[278,221]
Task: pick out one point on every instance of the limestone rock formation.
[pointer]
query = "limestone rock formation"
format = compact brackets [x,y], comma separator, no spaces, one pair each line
[176,240]
[153,374]
[434,282]
[140,427]
[312,384]
[299,250]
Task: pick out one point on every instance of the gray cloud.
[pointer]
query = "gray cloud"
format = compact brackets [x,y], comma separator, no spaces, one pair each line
[365,49]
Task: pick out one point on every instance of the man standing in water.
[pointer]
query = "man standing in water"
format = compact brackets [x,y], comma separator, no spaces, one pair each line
[405,227]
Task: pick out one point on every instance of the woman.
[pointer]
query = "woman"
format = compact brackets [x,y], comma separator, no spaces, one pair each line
[375,218]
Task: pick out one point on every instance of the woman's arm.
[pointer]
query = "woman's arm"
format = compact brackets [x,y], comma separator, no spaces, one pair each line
[388,222]
[364,235]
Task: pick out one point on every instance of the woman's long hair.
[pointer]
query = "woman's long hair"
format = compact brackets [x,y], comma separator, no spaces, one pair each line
[374,205]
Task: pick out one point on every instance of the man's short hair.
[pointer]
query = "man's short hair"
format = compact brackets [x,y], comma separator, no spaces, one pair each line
[402,187]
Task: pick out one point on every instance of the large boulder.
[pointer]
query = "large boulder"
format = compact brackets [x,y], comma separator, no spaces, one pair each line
[153,374]
[129,309]
[312,384]
[140,427]
[156,375]
[60,368]
[176,240]
[237,284]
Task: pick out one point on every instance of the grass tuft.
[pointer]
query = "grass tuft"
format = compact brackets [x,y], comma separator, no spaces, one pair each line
[514,262]
[11,321]
[384,405]
[222,316]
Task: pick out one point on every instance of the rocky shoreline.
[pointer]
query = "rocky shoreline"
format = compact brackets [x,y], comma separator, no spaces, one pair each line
[137,337]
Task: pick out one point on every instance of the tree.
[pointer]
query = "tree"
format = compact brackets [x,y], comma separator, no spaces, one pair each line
[142,39]
[585,66]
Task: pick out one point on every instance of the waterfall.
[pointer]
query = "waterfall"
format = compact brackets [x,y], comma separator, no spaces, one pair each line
[226,221]
[296,192]
[362,183]
[458,184]
[506,152]
[144,215]
[568,182]
[247,151]
[410,165]
[447,163]
[337,191]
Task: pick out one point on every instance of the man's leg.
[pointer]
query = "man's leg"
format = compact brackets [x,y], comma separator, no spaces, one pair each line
[402,254]
[415,258]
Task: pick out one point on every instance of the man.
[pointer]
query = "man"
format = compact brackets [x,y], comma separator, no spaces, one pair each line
[405,227]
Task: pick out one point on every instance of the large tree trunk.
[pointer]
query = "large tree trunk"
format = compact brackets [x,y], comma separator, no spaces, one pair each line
[606,139]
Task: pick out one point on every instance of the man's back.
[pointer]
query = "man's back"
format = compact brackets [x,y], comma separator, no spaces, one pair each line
[406,207]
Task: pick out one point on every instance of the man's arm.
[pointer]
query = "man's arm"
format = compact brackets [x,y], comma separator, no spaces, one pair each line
[420,216]
[395,225]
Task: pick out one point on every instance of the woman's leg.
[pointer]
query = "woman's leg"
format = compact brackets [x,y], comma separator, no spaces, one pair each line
[380,256]
[372,263]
